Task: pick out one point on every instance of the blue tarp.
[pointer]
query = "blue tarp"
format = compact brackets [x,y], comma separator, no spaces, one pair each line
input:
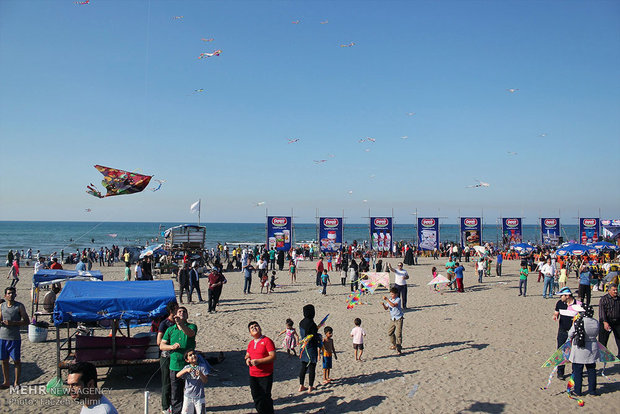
[50,276]
[82,301]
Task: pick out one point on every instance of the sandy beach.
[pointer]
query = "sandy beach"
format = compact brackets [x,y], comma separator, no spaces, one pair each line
[478,351]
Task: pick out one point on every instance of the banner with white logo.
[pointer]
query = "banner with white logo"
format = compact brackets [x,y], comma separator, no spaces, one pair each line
[279,232]
[428,233]
[381,233]
[330,234]
[471,231]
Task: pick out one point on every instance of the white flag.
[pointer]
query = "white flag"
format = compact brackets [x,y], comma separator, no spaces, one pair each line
[195,207]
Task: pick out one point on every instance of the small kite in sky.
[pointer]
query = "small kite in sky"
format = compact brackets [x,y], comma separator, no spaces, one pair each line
[260,203]
[364,201]
[159,182]
[113,235]
[325,21]
[319,161]
[119,182]
[198,90]
[410,113]
[293,140]
[331,155]
[512,90]
[371,176]
[177,17]
[350,192]
[367,150]
[542,135]
[295,21]
[207,40]
[88,210]
[404,137]
[512,153]
[206,55]
[82,3]
[480,184]
[369,139]
[348,45]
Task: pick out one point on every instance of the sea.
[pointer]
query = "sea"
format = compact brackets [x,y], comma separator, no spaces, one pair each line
[54,236]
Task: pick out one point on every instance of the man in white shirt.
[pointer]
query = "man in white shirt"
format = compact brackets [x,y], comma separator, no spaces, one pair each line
[400,282]
[548,271]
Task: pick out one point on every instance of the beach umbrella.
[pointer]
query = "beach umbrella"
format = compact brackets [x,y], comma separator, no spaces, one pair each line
[574,250]
[523,248]
[150,250]
[603,245]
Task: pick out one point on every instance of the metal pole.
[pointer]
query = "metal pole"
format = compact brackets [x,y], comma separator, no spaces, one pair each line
[199,208]
[146,402]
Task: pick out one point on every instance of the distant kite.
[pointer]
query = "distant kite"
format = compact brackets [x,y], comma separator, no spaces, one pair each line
[369,139]
[119,182]
[371,176]
[198,90]
[542,135]
[82,3]
[325,21]
[160,182]
[177,17]
[88,210]
[364,201]
[350,191]
[348,45]
[512,90]
[404,137]
[206,55]
[319,161]
[331,155]
[512,153]
[260,203]
[113,235]
[410,113]
[295,21]
[367,150]
[293,140]
[480,184]
[207,40]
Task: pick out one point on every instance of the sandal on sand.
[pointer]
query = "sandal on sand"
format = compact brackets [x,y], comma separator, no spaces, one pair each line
[393,347]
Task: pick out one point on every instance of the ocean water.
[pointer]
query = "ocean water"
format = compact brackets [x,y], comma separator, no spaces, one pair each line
[53,236]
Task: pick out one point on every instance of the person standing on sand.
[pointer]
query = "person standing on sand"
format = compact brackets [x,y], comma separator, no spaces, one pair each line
[183,282]
[400,282]
[609,316]
[13,315]
[164,359]
[319,271]
[259,356]
[395,332]
[310,332]
[564,322]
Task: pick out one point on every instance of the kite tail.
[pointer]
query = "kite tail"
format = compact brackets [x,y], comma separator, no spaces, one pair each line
[93,191]
[569,388]
[603,373]
[550,377]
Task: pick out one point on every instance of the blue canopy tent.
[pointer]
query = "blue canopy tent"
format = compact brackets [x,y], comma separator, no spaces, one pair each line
[603,245]
[82,301]
[47,277]
[523,248]
[154,249]
[574,250]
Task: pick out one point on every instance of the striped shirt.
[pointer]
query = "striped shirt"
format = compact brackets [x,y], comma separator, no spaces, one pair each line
[609,309]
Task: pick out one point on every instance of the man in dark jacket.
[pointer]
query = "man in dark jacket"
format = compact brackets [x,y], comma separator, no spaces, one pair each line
[194,282]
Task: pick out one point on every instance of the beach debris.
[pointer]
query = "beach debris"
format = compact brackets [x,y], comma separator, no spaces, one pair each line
[379,381]
[199,314]
[293,140]
[119,182]
[207,40]
[411,393]
[348,45]
[480,184]
[159,182]
[511,90]
[207,55]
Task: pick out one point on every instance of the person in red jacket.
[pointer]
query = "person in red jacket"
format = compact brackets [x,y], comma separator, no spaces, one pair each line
[260,355]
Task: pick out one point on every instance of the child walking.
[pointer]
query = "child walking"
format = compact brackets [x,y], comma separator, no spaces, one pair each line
[327,350]
[358,335]
[195,377]
[293,270]
[523,273]
[272,283]
[324,281]
[291,339]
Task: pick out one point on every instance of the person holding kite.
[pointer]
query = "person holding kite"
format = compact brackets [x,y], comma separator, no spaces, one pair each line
[585,350]
[395,332]
[308,351]
[565,322]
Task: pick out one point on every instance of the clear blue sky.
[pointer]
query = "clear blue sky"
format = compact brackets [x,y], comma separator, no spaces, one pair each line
[112,83]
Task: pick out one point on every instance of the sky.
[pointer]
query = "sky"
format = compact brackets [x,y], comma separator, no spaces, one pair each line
[113,83]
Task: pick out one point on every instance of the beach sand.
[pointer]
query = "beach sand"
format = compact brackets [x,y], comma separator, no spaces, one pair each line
[478,351]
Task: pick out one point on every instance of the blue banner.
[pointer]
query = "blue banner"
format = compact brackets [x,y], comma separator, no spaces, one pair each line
[550,231]
[512,231]
[381,233]
[471,231]
[428,233]
[589,230]
[330,234]
[279,232]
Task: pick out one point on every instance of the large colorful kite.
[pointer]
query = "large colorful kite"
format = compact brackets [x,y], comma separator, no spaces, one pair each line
[119,182]
[381,278]
[355,298]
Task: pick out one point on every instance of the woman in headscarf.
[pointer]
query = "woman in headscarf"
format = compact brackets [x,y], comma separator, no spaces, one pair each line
[352,274]
[584,350]
[310,354]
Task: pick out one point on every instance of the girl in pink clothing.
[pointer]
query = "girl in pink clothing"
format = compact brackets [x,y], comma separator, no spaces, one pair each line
[290,338]
[358,335]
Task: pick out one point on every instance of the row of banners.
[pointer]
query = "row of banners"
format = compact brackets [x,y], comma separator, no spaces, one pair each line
[279,232]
